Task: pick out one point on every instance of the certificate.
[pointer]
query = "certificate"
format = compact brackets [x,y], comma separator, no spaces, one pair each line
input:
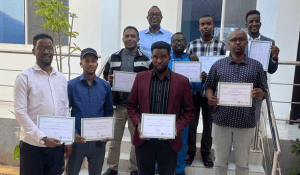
[189,69]
[158,126]
[235,94]
[260,51]
[97,128]
[61,128]
[208,61]
[123,81]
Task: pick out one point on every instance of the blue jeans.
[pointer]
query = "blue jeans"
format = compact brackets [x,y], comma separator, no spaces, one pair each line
[181,155]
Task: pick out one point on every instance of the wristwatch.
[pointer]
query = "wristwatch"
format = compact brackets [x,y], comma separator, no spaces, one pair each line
[43,140]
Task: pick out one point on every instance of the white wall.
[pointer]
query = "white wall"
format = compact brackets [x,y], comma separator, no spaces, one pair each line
[134,13]
[88,23]
[281,21]
[287,38]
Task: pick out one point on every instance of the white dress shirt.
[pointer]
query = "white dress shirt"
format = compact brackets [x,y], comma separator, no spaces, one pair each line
[37,93]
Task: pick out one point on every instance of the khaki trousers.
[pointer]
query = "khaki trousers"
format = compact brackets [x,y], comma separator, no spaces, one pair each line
[121,116]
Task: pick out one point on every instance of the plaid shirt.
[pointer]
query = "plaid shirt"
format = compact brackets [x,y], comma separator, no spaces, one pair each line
[214,48]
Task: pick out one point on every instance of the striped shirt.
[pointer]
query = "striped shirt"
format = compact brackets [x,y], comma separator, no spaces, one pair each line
[159,94]
[214,48]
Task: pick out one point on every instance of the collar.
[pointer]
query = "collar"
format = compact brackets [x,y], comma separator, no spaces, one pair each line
[83,79]
[184,55]
[138,52]
[245,61]
[127,53]
[161,30]
[154,74]
[202,41]
[251,39]
[38,68]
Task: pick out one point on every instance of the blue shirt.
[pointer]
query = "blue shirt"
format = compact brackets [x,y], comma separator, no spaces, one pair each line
[185,57]
[89,101]
[227,70]
[147,39]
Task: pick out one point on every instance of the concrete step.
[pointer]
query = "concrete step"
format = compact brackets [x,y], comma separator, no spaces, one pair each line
[195,169]
[256,157]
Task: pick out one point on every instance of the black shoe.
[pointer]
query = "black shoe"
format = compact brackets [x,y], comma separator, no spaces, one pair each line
[110,172]
[134,173]
[179,174]
[208,163]
[189,159]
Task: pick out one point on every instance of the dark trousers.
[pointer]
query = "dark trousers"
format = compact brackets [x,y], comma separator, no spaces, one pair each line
[93,150]
[156,150]
[41,160]
[206,140]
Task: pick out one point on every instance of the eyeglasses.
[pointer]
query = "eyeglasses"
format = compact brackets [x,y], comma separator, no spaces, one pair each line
[50,49]
[176,41]
[154,14]
[234,40]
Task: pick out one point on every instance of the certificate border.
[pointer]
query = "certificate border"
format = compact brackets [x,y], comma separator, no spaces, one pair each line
[220,57]
[98,118]
[120,90]
[60,117]
[258,41]
[188,62]
[155,136]
[227,104]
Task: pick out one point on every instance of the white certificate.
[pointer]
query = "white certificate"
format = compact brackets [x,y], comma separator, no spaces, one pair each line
[123,81]
[235,94]
[208,61]
[158,126]
[260,51]
[189,69]
[61,128]
[97,128]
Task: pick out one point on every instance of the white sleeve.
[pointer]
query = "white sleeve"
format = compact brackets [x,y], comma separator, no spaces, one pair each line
[20,102]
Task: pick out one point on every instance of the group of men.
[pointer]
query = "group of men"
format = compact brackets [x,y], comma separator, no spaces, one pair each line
[41,90]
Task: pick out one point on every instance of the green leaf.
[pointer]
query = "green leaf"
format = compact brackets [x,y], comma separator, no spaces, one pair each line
[17,152]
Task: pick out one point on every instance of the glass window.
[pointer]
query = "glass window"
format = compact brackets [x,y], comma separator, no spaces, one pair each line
[12,28]
[235,16]
[192,10]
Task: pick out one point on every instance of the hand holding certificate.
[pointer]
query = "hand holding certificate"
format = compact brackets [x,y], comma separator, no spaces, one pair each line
[260,51]
[191,70]
[158,126]
[61,128]
[235,94]
[97,128]
[123,81]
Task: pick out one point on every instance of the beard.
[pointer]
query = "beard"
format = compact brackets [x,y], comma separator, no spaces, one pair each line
[162,70]
[45,63]
[178,52]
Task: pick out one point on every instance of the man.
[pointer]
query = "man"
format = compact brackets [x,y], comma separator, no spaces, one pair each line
[234,126]
[89,96]
[206,45]
[154,32]
[129,59]
[41,90]
[160,91]
[253,25]
[178,46]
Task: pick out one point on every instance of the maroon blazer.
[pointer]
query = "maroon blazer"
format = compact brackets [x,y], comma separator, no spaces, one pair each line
[179,98]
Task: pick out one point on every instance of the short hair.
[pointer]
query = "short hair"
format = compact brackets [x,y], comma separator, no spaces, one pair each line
[41,36]
[207,15]
[155,7]
[131,27]
[252,12]
[177,33]
[161,45]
